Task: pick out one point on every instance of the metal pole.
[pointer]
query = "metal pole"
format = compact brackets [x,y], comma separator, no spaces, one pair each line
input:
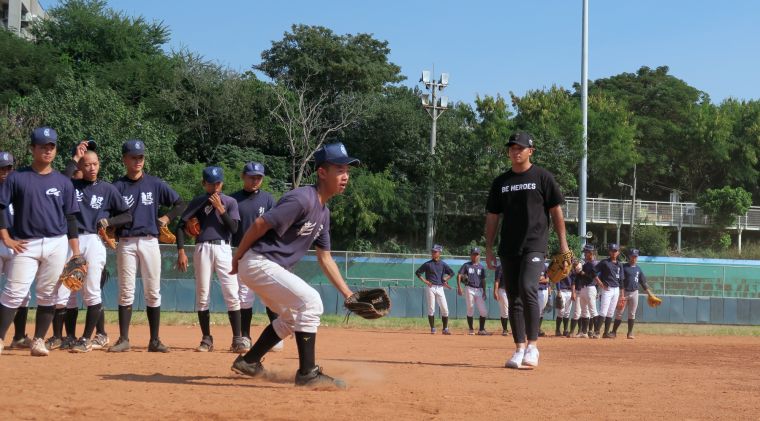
[584,108]
[633,207]
[431,195]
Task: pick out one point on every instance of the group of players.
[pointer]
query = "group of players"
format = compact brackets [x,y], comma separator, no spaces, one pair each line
[47,217]
[594,292]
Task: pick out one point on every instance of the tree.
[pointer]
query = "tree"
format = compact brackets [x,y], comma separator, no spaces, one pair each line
[27,67]
[330,62]
[724,205]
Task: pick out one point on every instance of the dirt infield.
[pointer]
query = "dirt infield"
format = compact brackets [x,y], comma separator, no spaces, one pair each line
[397,374]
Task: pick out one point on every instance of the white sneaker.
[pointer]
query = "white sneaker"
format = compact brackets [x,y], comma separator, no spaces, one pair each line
[279,347]
[38,348]
[516,359]
[1,346]
[531,357]
[100,341]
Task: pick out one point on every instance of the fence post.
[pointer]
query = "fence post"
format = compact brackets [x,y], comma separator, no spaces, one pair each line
[665,280]
[723,284]
[345,265]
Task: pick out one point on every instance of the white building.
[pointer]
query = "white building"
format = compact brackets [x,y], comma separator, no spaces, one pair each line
[18,15]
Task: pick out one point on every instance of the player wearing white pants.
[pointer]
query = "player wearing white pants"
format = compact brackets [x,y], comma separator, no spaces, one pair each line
[217,219]
[610,273]
[633,278]
[473,275]
[500,295]
[474,297]
[564,289]
[585,290]
[273,244]
[44,227]
[20,340]
[138,246]
[436,276]
[543,298]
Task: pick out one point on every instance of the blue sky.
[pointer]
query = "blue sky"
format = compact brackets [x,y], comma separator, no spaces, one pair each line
[493,47]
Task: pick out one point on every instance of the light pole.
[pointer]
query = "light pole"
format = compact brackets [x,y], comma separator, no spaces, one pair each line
[633,205]
[584,110]
[435,105]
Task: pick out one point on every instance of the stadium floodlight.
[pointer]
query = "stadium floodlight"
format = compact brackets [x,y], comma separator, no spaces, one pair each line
[434,105]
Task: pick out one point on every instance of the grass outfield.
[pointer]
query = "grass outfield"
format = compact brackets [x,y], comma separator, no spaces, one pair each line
[355,322]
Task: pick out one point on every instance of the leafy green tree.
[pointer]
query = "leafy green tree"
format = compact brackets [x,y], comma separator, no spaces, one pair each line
[26,67]
[652,240]
[327,62]
[611,145]
[725,204]
[744,146]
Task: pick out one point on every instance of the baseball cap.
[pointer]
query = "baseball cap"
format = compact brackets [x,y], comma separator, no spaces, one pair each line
[91,146]
[521,138]
[334,153]
[437,247]
[613,247]
[474,250]
[6,159]
[213,174]
[133,147]
[253,168]
[44,136]
[588,247]
[634,252]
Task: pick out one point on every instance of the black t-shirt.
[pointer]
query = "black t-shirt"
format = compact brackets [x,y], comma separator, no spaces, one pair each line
[524,199]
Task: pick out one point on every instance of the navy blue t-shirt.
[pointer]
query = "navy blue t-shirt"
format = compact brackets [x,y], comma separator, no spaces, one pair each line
[499,276]
[212,227]
[474,274]
[40,203]
[97,200]
[251,205]
[434,271]
[9,220]
[633,277]
[567,282]
[143,198]
[589,274]
[543,285]
[610,273]
[298,220]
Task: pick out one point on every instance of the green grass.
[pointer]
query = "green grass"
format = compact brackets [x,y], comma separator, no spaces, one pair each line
[420,323]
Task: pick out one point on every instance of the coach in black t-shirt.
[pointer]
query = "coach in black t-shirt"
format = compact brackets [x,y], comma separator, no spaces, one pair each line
[526,195]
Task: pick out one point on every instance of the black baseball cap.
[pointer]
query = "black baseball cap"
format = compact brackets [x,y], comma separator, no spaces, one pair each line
[44,136]
[634,252]
[133,147]
[213,174]
[253,168]
[334,153]
[523,139]
[6,159]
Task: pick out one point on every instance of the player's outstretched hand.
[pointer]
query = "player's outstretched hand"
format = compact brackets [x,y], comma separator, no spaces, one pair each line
[234,269]
[19,246]
[490,259]
[182,262]
[459,291]
[496,294]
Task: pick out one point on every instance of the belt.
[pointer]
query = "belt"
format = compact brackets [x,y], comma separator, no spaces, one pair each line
[631,290]
[81,231]
[217,242]
[470,286]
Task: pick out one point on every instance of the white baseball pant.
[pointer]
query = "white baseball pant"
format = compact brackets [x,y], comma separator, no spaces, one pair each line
[609,301]
[567,302]
[543,298]
[576,305]
[503,303]
[209,258]
[94,252]
[472,297]
[297,304]
[245,295]
[143,253]
[588,301]
[631,303]
[435,295]
[43,260]
[6,255]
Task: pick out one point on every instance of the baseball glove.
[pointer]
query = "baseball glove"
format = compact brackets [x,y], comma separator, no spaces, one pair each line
[193,227]
[369,303]
[560,266]
[74,273]
[165,236]
[558,301]
[108,235]
[653,301]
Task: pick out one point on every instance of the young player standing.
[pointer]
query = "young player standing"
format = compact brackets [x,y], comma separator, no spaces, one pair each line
[564,289]
[218,218]
[473,275]
[610,273]
[273,245]
[500,295]
[437,274]
[252,203]
[587,282]
[632,279]
[527,196]
[543,298]
[45,227]
[138,242]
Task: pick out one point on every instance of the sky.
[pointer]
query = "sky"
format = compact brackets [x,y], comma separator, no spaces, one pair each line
[492,47]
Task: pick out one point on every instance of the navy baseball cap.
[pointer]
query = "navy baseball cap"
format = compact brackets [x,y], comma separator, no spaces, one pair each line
[588,247]
[613,247]
[474,250]
[6,159]
[521,138]
[213,174]
[253,168]
[91,146]
[437,247]
[334,153]
[634,252]
[44,136]
[133,147]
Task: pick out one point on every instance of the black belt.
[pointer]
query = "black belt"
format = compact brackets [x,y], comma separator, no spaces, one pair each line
[631,290]
[81,231]
[217,242]
[474,287]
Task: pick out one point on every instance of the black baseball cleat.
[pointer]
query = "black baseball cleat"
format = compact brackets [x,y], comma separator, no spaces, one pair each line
[247,369]
[315,378]
[155,345]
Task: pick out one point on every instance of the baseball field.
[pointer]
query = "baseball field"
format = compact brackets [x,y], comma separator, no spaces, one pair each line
[399,371]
